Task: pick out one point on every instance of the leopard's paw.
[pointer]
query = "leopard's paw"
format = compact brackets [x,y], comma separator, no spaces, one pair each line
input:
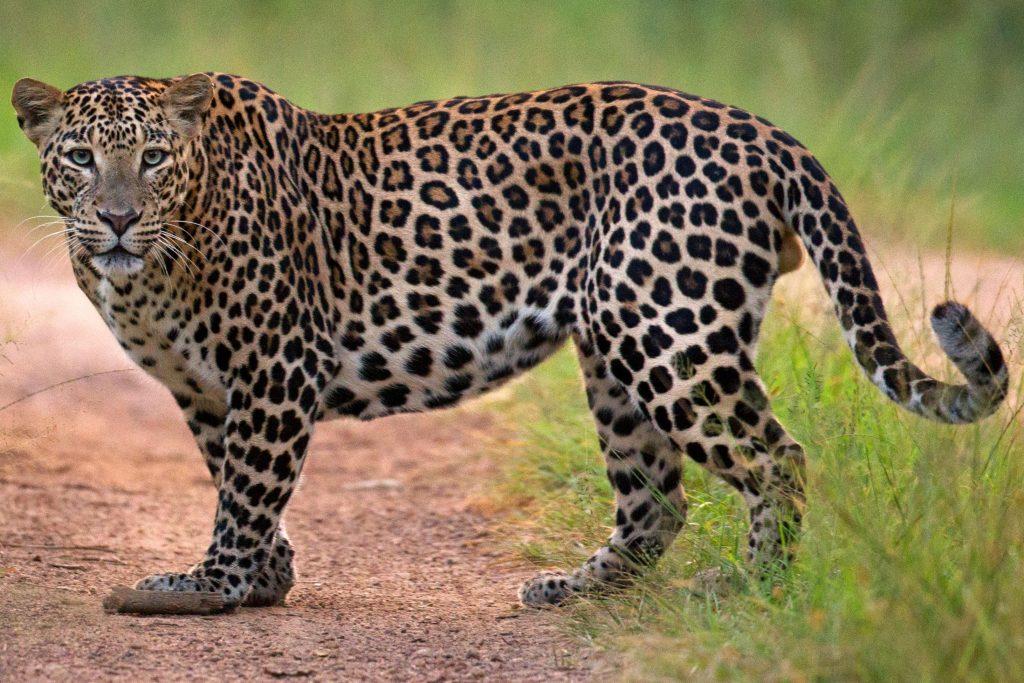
[178,582]
[191,583]
[548,589]
[275,579]
[268,591]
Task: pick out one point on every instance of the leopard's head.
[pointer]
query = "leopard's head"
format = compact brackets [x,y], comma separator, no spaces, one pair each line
[115,160]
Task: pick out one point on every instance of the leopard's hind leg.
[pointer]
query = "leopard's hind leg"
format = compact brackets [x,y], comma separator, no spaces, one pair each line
[720,416]
[706,398]
[696,393]
[645,472]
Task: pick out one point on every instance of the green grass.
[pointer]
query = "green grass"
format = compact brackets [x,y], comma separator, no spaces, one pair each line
[896,98]
[911,560]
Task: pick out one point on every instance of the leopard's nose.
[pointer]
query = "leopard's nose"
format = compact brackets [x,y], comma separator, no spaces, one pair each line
[118,222]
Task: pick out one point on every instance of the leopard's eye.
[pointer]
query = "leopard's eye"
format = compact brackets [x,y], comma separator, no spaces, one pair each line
[81,157]
[153,157]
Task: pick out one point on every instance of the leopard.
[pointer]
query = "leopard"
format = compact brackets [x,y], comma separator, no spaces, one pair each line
[274,267]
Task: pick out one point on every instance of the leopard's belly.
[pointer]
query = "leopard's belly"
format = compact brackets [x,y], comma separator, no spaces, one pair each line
[440,370]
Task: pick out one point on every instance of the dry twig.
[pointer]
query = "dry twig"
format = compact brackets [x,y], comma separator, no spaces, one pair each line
[125,600]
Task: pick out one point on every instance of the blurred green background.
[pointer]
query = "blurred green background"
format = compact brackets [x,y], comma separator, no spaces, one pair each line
[910,105]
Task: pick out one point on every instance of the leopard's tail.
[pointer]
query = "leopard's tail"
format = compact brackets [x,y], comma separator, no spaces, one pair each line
[816,211]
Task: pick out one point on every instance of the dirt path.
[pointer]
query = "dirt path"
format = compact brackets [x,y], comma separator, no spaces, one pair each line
[397,578]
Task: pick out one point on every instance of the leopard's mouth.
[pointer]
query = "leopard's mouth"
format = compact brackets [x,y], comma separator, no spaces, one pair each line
[117,261]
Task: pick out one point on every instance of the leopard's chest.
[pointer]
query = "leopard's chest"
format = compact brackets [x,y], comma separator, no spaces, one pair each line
[155,335]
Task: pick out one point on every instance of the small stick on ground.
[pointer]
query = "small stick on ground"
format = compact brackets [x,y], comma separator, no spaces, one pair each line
[61,565]
[125,600]
[46,546]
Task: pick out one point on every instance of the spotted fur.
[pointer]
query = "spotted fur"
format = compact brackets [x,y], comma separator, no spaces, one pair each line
[278,267]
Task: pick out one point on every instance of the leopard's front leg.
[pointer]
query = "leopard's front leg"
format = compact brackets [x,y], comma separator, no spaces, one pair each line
[206,419]
[266,430]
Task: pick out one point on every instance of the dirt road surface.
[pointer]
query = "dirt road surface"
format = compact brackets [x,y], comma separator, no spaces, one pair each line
[101,484]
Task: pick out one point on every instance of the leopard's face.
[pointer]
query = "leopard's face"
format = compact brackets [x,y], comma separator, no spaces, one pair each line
[115,179]
[115,162]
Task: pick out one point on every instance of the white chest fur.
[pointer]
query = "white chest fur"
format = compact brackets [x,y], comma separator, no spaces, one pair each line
[156,343]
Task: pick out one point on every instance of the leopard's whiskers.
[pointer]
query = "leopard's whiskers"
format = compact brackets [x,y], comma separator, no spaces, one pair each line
[172,253]
[64,231]
[55,253]
[186,243]
[32,218]
[52,250]
[198,225]
[178,255]
[195,269]
[160,256]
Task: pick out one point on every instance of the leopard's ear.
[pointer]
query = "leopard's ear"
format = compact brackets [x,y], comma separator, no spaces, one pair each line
[186,101]
[39,107]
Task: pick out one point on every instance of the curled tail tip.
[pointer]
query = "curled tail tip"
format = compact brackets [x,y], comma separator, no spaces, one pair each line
[948,309]
[960,334]
[954,324]
[974,351]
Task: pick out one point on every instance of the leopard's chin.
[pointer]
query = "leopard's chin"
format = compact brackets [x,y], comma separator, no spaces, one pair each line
[117,262]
